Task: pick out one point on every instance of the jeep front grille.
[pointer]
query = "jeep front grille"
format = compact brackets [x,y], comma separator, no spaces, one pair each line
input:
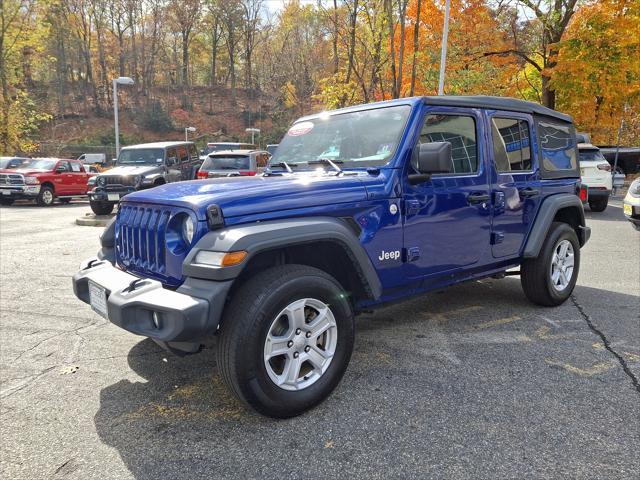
[140,239]
[11,179]
[124,180]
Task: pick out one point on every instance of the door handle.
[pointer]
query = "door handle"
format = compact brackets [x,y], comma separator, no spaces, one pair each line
[528,192]
[478,198]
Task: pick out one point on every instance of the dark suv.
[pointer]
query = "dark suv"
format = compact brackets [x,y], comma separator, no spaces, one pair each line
[143,166]
[418,194]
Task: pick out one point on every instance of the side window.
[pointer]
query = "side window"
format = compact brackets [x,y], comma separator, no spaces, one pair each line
[511,144]
[64,165]
[460,131]
[183,154]
[172,157]
[75,167]
[261,160]
[193,153]
[557,146]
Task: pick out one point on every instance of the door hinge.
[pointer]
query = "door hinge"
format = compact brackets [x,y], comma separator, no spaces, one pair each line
[412,254]
[497,237]
[411,207]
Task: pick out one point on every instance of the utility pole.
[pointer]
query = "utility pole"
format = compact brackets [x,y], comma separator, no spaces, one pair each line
[443,50]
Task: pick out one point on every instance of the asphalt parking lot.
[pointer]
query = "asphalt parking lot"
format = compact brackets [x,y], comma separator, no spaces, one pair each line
[471,382]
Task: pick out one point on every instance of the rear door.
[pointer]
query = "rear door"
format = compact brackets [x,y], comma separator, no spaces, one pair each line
[447,219]
[80,178]
[517,187]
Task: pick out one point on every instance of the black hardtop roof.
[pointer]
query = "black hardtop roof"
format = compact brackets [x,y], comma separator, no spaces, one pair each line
[497,103]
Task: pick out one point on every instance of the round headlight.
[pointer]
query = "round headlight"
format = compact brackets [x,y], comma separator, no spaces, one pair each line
[188,228]
[137,179]
[101,181]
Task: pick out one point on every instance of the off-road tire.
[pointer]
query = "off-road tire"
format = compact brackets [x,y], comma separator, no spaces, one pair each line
[599,204]
[46,197]
[101,208]
[535,272]
[7,201]
[246,322]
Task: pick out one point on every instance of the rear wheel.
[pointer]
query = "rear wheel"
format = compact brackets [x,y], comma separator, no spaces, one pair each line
[286,340]
[599,204]
[550,278]
[101,208]
[46,196]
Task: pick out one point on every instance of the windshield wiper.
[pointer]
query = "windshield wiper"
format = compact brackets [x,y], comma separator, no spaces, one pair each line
[326,161]
[281,164]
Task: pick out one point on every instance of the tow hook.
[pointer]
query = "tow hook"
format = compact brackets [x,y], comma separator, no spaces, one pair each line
[134,284]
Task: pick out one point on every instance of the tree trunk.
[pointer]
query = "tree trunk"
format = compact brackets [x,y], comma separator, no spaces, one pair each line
[392,46]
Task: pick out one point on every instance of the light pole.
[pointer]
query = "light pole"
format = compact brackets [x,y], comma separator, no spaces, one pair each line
[253,131]
[443,51]
[116,82]
[186,132]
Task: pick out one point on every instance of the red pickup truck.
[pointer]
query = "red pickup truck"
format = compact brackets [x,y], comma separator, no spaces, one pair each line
[44,180]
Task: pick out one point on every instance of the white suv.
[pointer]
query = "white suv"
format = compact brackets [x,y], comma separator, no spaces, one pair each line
[596,174]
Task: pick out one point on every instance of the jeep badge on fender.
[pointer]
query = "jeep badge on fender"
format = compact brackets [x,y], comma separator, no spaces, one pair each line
[277,265]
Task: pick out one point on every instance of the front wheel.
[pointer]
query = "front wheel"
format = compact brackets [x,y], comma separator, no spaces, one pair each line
[599,205]
[101,208]
[45,197]
[286,340]
[549,279]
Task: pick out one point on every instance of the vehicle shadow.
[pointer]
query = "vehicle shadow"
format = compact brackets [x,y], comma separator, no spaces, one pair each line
[182,422]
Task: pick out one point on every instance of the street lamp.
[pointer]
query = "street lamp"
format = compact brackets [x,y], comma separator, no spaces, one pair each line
[116,82]
[253,131]
[186,132]
[443,51]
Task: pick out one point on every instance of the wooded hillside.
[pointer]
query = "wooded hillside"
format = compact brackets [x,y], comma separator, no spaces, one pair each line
[224,65]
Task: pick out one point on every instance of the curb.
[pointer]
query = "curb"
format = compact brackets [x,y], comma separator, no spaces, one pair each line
[91,220]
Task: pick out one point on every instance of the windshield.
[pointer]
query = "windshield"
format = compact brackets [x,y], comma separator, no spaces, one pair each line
[227,162]
[141,156]
[591,156]
[39,164]
[10,162]
[220,147]
[357,139]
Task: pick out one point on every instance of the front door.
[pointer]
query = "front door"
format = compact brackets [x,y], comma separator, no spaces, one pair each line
[447,220]
[174,174]
[63,179]
[516,192]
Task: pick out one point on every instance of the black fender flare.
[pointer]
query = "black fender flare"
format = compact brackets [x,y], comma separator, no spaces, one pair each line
[546,213]
[269,235]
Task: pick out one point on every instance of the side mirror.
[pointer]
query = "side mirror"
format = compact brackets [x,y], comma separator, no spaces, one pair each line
[433,157]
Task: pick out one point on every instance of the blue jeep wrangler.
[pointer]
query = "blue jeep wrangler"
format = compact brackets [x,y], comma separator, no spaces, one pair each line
[359,207]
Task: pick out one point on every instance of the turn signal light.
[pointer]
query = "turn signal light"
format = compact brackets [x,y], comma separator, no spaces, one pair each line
[220,259]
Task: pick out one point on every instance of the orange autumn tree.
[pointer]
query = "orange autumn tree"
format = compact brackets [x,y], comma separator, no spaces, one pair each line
[598,71]
[474,29]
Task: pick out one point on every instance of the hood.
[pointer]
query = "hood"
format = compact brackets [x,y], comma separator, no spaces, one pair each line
[133,170]
[238,196]
[24,171]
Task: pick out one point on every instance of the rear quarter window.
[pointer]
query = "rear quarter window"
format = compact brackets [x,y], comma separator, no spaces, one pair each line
[558,148]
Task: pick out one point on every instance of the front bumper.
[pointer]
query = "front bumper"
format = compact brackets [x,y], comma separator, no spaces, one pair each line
[631,210]
[17,192]
[111,196]
[177,319]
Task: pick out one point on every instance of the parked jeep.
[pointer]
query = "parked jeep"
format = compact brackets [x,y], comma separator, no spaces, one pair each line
[234,163]
[143,166]
[595,173]
[43,180]
[422,193]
